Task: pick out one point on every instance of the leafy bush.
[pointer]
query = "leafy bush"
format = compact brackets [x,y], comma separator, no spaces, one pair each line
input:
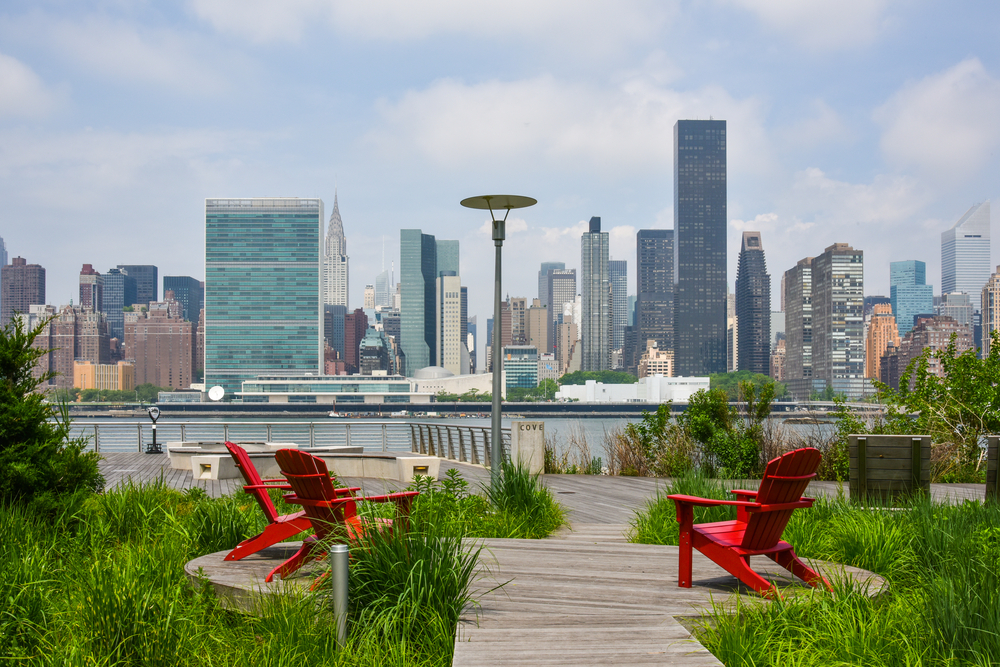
[38,459]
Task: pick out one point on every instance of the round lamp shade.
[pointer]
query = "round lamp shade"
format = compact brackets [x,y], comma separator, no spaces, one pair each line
[498,202]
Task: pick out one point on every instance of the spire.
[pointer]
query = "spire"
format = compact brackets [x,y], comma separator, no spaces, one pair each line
[336,242]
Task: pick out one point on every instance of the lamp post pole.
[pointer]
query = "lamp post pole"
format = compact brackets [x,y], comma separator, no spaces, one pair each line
[496,203]
[496,458]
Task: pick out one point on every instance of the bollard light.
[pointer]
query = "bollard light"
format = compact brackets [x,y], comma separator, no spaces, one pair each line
[339,559]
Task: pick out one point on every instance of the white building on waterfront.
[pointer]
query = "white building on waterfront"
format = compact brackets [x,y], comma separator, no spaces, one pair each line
[651,389]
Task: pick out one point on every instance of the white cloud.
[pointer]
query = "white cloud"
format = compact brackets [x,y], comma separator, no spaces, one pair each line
[546,123]
[763,222]
[821,24]
[126,51]
[946,124]
[22,93]
[599,23]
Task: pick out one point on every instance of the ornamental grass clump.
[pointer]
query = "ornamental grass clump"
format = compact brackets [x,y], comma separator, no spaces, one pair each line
[941,606]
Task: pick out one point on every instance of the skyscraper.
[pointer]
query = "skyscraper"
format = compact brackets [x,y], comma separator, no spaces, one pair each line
[654,306]
[882,332]
[384,289]
[909,294]
[965,252]
[21,285]
[91,288]
[449,322]
[422,260]
[3,262]
[119,293]
[753,307]
[595,325]
[700,282]
[159,342]
[990,310]
[335,261]
[190,293]
[799,329]
[838,349]
[146,282]
[263,288]
[543,280]
[618,278]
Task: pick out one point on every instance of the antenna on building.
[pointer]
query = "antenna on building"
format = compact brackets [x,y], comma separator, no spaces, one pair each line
[383,252]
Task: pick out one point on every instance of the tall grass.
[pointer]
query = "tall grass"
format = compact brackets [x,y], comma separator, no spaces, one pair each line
[102,583]
[942,606]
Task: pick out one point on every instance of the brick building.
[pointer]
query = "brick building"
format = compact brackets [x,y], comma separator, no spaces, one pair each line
[159,341]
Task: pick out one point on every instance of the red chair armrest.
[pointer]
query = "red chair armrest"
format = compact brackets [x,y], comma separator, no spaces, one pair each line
[280,487]
[775,507]
[743,492]
[709,502]
[276,480]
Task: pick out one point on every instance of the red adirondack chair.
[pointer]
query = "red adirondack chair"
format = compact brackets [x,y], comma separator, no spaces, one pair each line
[761,519]
[328,513]
[279,528]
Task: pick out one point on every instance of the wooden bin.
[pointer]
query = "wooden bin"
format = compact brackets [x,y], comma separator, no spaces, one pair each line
[992,459]
[887,467]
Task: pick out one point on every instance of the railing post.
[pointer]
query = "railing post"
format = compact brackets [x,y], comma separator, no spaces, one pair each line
[347,435]
[183,433]
[97,439]
[383,438]
[225,432]
[312,434]
[423,443]
[269,438]
[139,436]
[461,443]
[487,449]
[413,438]
[451,446]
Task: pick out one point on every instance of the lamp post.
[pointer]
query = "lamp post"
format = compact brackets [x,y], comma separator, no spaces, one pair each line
[496,203]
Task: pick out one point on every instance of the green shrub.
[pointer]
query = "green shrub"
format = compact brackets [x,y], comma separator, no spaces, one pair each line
[38,459]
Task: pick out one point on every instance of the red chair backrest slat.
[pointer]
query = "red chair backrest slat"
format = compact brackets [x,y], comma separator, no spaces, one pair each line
[252,478]
[310,480]
[785,480]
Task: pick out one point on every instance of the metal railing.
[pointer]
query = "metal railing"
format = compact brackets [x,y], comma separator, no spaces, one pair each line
[457,442]
[466,444]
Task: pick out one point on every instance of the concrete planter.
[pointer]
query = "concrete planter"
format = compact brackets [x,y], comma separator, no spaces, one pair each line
[992,461]
[887,467]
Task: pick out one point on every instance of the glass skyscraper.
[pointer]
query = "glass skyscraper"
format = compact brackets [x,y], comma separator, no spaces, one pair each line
[189,292]
[753,307]
[908,293]
[595,319]
[119,292]
[700,282]
[422,259]
[146,282]
[965,253]
[263,289]
[654,307]
[618,278]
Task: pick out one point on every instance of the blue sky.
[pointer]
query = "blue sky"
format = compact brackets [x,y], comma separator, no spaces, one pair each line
[871,122]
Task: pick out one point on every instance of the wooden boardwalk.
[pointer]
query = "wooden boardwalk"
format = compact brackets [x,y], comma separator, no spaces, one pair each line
[588,597]
[585,596]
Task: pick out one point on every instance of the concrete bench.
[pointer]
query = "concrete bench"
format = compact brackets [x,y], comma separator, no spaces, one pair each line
[222,466]
[180,453]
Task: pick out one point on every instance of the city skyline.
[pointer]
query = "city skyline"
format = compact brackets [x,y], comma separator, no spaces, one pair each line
[847,125]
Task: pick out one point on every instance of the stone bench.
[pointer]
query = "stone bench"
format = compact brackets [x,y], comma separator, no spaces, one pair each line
[341,461]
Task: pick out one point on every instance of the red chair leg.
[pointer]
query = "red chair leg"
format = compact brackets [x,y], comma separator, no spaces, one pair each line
[272,534]
[685,516]
[792,563]
[300,558]
[739,567]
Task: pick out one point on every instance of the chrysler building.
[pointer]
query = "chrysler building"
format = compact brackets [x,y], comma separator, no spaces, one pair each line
[335,261]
